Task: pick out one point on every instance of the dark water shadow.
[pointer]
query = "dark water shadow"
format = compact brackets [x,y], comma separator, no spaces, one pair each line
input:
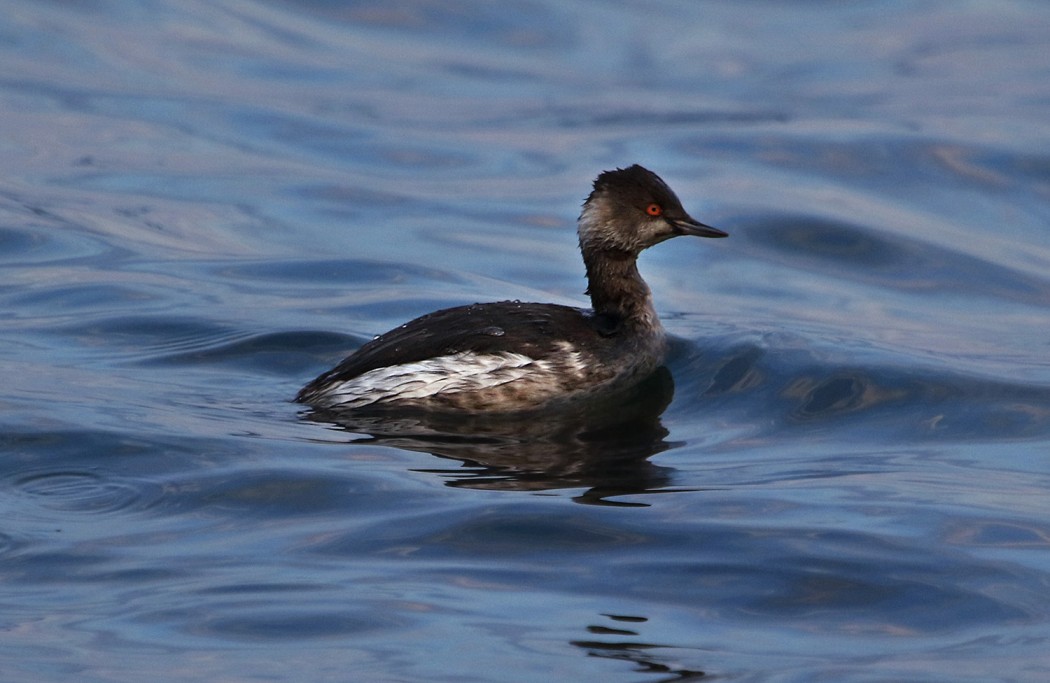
[603,446]
[619,642]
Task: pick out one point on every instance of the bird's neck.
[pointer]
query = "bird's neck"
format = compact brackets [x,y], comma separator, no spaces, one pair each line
[617,289]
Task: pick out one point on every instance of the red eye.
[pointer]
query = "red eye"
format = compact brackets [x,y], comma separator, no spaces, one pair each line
[654,209]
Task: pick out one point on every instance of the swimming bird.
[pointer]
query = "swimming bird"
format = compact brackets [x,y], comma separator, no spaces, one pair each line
[510,357]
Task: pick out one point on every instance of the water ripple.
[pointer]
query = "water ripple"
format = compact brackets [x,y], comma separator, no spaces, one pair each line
[32,236]
[858,253]
[254,623]
[89,491]
[780,386]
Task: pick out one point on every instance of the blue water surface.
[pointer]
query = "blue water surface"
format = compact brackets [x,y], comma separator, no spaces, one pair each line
[844,476]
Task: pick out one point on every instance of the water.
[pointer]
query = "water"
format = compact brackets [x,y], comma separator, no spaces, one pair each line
[206,204]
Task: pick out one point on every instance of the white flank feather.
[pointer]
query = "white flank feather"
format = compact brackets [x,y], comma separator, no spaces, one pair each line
[466,371]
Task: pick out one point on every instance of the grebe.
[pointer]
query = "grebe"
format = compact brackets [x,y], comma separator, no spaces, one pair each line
[511,357]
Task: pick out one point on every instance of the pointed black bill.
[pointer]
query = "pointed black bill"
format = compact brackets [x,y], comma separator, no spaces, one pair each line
[689,226]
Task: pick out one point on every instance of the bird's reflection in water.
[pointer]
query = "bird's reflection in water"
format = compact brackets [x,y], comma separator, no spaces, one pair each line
[603,445]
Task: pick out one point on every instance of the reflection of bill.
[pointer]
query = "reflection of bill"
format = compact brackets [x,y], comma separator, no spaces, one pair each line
[618,640]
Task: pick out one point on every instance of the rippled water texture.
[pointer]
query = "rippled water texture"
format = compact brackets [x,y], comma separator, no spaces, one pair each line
[842,476]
